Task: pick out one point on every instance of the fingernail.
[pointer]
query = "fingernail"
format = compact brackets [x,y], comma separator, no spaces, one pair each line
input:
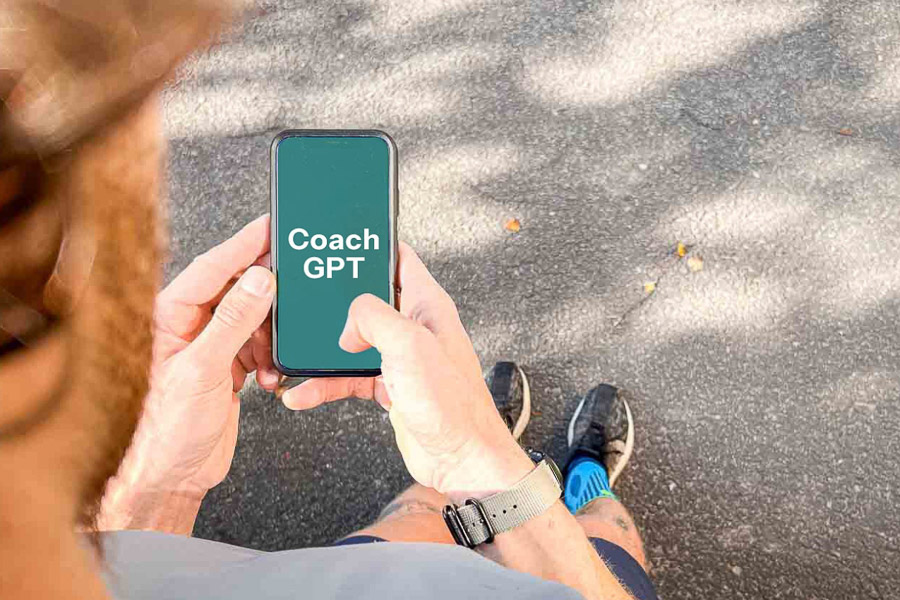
[257,281]
[287,399]
[296,399]
[290,397]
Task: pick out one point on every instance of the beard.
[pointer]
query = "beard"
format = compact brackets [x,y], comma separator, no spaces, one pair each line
[74,79]
[112,187]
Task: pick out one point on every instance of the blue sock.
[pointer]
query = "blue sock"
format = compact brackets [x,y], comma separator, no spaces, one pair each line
[586,479]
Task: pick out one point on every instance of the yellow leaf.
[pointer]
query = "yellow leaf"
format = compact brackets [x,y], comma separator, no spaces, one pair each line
[680,250]
[650,287]
[513,225]
[695,264]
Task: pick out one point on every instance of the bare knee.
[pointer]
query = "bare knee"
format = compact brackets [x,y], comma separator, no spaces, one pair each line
[413,516]
[414,499]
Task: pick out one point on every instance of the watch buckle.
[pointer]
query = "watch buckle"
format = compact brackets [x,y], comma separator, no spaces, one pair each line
[454,524]
[484,519]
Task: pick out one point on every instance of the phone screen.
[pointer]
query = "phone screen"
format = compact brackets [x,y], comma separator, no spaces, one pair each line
[333,227]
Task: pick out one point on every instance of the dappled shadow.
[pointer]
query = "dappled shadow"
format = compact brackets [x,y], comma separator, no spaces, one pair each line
[764,385]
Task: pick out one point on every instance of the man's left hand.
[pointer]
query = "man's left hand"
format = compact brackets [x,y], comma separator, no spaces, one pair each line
[211,331]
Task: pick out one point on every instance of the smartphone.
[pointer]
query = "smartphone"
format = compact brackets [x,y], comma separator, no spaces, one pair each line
[334,237]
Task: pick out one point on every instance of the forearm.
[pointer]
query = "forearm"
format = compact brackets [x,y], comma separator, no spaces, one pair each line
[552,545]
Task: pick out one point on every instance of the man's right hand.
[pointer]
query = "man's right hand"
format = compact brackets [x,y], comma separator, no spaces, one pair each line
[448,430]
[450,434]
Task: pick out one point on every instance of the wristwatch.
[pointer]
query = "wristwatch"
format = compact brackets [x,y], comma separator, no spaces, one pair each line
[478,521]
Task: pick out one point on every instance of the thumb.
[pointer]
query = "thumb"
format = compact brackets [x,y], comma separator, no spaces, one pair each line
[373,322]
[240,313]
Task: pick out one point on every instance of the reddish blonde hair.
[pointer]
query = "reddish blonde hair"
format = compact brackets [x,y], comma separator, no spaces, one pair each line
[76,163]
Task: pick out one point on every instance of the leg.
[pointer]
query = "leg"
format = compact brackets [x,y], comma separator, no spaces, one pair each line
[607,518]
[413,516]
[601,439]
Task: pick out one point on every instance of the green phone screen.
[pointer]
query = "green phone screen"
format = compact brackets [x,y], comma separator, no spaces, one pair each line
[332,238]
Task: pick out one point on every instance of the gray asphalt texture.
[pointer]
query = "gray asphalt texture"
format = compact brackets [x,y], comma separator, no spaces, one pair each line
[762,135]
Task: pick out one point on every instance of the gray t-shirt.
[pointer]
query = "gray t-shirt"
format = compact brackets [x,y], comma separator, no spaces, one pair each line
[158,566]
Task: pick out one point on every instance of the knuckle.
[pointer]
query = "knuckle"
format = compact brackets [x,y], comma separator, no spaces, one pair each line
[361,303]
[364,299]
[232,311]
[440,309]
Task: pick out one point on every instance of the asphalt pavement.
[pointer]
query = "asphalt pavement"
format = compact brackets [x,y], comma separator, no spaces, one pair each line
[763,136]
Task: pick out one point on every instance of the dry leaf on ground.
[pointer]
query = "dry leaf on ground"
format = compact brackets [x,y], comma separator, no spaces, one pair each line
[513,225]
[695,264]
[845,131]
[650,287]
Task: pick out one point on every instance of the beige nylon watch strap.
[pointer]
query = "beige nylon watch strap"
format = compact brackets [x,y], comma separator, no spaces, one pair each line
[505,510]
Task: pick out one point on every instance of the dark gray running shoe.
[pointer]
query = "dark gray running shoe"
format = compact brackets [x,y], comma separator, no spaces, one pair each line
[512,395]
[602,428]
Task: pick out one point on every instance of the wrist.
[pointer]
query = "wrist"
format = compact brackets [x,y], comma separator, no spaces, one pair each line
[132,507]
[138,497]
[485,469]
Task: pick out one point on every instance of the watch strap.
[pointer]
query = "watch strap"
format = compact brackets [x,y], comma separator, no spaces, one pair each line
[480,520]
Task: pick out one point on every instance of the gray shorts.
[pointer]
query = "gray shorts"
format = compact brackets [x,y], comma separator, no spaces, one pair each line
[626,569]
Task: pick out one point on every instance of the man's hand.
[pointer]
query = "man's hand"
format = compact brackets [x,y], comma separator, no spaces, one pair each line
[450,434]
[211,330]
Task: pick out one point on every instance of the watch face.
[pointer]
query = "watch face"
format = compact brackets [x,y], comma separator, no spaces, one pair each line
[536,456]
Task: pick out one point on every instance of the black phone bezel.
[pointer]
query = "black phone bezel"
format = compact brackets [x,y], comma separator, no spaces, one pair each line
[393,211]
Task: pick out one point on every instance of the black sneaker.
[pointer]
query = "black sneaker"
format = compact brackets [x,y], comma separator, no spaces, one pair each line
[512,395]
[602,428]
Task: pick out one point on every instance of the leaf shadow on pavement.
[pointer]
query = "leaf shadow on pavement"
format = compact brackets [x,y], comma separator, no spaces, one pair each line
[764,386]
